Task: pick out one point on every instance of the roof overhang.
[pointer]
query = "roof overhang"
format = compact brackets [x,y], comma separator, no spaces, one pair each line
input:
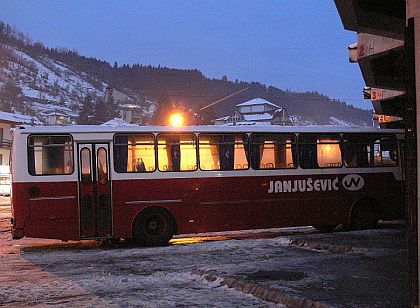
[379,17]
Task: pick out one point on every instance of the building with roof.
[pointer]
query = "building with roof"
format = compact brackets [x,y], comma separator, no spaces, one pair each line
[256,111]
[55,115]
[59,117]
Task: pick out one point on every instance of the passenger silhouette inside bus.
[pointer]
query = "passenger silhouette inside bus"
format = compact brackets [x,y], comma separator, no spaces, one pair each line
[140,167]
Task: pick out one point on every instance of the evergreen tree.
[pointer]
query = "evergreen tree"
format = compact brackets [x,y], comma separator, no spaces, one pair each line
[88,111]
[163,108]
[11,97]
[106,110]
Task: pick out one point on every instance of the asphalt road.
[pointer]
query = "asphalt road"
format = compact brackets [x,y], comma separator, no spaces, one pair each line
[241,269]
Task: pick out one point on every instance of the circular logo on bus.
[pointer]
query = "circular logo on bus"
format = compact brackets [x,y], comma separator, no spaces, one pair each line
[353,182]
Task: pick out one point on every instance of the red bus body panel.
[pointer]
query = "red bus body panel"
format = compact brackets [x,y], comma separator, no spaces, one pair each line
[204,204]
[47,215]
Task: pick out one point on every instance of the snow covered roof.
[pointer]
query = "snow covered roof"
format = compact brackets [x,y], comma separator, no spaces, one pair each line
[257,101]
[258,117]
[117,122]
[57,113]
[223,118]
[249,123]
[18,118]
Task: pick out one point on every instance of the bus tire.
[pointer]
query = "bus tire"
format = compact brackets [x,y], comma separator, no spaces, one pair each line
[154,227]
[365,215]
[325,228]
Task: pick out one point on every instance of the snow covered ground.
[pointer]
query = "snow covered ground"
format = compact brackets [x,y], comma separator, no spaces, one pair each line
[240,269]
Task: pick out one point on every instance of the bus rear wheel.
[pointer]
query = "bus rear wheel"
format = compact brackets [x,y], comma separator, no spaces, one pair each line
[365,215]
[154,227]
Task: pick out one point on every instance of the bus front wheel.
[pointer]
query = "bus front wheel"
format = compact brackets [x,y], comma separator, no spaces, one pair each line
[365,215]
[154,227]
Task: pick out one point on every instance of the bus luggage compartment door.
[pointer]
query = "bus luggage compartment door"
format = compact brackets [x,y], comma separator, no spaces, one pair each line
[94,191]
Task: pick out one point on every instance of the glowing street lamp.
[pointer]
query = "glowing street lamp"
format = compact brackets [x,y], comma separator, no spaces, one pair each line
[176,119]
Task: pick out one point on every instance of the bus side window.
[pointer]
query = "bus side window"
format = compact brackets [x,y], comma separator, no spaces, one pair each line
[102,166]
[223,151]
[85,164]
[273,151]
[307,151]
[177,152]
[385,151]
[319,151]
[361,150]
[134,153]
[209,152]
[50,155]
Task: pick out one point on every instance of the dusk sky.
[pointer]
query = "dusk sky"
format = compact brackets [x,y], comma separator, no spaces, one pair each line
[297,45]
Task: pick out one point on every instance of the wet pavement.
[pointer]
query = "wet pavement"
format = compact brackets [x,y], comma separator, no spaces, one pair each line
[297,267]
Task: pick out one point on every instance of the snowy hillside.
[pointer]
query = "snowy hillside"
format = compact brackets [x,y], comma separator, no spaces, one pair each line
[47,84]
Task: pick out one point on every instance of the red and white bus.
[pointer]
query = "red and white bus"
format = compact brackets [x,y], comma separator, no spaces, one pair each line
[149,183]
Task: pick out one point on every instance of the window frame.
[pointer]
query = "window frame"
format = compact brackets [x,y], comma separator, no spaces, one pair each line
[295,161]
[317,136]
[246,148]
[175,134]
[28,146]
[114,145]
[376,136]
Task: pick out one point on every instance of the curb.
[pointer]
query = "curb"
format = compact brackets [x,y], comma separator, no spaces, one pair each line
[260,291]
[304,243]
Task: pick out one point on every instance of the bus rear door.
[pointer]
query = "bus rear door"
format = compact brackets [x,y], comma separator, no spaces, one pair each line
[94,190]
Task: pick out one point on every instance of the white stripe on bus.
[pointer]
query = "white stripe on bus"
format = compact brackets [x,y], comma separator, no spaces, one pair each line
[53,198]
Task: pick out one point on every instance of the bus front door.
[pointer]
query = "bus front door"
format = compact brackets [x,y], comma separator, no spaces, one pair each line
[94,191]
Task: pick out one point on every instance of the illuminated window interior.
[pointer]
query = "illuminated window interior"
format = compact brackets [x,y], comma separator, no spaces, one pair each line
[222,152]
[241,162]
[177,152]
[134,153]
[141,154]
[272,152]
[328,153]
[209,153]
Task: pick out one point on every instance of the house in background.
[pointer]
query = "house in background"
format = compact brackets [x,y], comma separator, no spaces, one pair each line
[55,115]
[133,109]
[257,111]
[60,117]
[131,113]
[7,122]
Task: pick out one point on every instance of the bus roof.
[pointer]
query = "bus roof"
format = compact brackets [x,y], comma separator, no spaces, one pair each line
[80,129]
